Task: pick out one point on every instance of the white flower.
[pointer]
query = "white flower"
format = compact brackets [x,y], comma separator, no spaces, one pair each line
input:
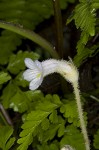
[38,70]
[34,74]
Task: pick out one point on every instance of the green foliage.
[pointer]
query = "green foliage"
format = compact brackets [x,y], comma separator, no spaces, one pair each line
[69,111]
[4,77]
[12,41]
[34,119]
[15,98]
[8,92]
[29,16]
[12,96]
[42,121]
[16,62]
[96,140]
[84,53]
[52,146]
[86,21]
[26,14]
[45,122]
[73,137]
[6,141]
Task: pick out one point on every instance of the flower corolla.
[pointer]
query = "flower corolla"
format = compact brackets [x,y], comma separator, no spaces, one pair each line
[38,70]
[34,73]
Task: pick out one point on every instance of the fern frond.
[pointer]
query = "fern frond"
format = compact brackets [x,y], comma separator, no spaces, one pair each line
[34,119]
[85,18]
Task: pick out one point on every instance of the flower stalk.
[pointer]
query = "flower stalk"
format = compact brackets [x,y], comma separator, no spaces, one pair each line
[81,117]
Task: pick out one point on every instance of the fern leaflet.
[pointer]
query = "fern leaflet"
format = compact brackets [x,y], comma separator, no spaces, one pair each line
[6,141]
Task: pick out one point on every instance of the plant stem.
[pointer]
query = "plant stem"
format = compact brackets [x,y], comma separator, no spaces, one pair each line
[30,35]
[5,116]
[58,27]
[81,117]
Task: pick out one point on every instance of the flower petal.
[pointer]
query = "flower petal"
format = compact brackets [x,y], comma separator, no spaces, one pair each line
[34,84]
[29,63]
[29,74]
[38,64]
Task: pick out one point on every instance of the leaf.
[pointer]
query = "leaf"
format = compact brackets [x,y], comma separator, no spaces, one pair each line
[13,97]
[73,137]
[35,13]
[96,140]
[53,117]
[10,143]
[52,130]
[50,133]
[52,146]
[19,102]
[61,130]
[20,81]
[25,101]
[16,63]
[13,11]
[34,119]
[45,124]
[70,112]
[5,141]
[86,19]
[55,98]
[84,53]
[8,43]
[95,4]
[34,96]
[8,92]
[4,77]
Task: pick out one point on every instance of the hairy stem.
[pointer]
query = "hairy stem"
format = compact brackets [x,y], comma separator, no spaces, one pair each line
[30,35]
[59,28]
[81,117]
